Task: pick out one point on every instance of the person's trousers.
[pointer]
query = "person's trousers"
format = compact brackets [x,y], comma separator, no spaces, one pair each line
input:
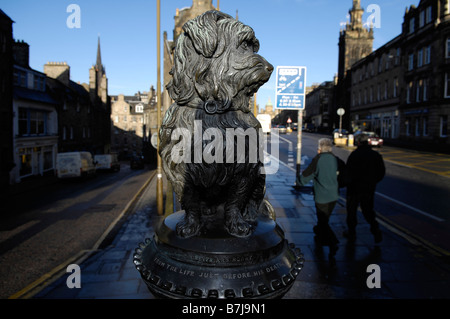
[357,196]
[323,230]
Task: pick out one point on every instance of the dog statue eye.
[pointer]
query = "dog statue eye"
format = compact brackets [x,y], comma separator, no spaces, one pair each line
[246,45]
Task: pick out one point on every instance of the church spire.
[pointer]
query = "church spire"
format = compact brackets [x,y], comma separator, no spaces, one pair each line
[98,64]
[356,14]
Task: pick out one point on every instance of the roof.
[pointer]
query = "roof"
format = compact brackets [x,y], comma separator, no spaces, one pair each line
[4,15]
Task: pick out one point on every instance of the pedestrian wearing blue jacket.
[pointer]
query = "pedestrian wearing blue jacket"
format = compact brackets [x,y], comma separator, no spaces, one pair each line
[323,170]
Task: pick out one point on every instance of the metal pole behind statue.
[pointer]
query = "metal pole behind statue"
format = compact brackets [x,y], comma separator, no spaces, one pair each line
[159,182]
[299,142]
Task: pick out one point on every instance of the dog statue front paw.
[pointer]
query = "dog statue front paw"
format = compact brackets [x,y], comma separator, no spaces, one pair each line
[189,227]
[238,227]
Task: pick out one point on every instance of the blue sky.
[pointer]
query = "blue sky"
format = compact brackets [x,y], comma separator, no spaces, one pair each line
[291,33]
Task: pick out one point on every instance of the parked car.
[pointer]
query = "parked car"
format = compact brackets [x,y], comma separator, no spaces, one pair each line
[107,162]
[74,164]
[282,129]
[342,133]
[374,139]
[137,162]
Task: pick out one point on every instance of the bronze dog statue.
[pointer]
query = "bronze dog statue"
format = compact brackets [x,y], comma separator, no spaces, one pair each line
[216,71]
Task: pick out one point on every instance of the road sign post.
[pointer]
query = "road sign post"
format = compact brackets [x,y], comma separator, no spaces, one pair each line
[290,95]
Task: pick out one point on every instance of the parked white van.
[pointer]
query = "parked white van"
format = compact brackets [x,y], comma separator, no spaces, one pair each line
[109,162]
[74,164]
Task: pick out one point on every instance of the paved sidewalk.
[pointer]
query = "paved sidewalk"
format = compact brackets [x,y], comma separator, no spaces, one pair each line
[407,271]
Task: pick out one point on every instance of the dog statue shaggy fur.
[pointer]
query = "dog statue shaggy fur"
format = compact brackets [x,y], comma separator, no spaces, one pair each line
[216,71]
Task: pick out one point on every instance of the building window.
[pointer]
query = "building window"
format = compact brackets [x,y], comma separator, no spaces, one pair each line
[32,122]
[425,126]
[116,119]
[418,90]
[447,86]
[407,127]
[371,94]
[408,92]
[395,87]
[71,132]
[428,55]
[386,85]
[429,15]
[425,90]
[420,58]
[25,160]
[417,127]
[447,48]
[64,133]
[443,131]
[411,25]
[411,62]
[378,92]
[421,18]
[139,108]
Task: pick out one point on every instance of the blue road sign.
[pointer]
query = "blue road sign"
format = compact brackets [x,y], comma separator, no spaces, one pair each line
[290,87]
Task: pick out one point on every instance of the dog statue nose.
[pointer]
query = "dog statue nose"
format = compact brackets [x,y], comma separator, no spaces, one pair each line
[269,67]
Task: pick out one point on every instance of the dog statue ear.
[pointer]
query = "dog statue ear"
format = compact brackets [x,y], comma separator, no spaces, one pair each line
[203,32]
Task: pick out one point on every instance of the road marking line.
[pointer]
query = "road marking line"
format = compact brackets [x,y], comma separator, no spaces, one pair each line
[410,207]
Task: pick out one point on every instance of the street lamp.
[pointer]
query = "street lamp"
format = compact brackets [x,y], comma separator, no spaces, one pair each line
[340,112]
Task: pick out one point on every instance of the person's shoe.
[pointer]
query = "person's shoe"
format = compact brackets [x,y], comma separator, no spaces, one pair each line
[350,235]
[378,236]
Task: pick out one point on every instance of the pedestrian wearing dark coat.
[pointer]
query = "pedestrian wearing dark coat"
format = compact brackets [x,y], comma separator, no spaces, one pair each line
[323,171]
[365,169]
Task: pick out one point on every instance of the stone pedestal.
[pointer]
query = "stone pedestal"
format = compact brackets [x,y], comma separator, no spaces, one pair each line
[217,265]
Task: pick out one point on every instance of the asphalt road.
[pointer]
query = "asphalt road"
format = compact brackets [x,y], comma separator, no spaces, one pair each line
[53,224]
[413,196]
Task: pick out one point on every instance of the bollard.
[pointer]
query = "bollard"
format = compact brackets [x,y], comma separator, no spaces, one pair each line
[351,140]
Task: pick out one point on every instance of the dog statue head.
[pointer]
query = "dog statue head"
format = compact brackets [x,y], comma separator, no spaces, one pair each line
[216,65]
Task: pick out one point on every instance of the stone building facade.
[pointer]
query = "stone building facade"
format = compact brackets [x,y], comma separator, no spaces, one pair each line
[377,82]
[84,109]
[133,120]
[6,100]
[402,90]
[355,43]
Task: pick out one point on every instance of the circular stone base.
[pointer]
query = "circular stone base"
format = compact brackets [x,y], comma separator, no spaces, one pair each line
[217,265]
